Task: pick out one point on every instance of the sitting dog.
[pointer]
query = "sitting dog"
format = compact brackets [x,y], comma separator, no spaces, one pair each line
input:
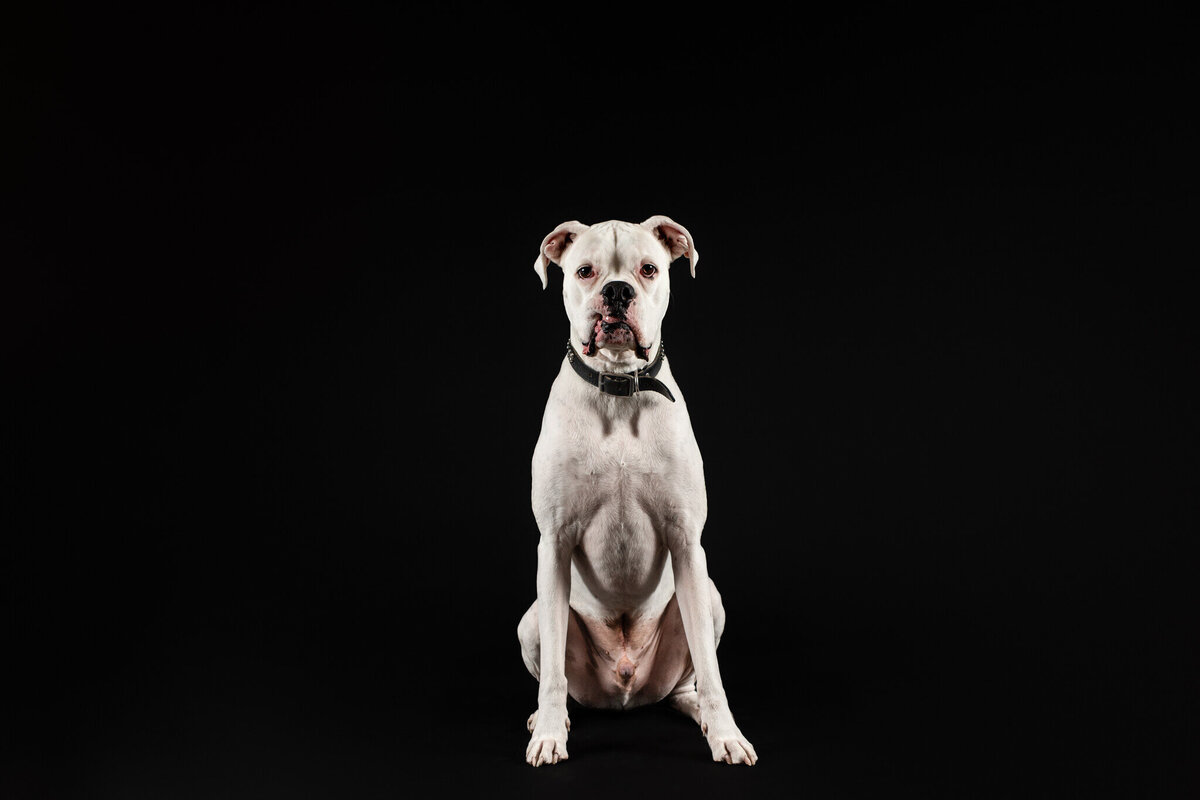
[625,614]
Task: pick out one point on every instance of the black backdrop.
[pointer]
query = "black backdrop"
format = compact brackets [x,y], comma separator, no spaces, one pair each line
[275,360]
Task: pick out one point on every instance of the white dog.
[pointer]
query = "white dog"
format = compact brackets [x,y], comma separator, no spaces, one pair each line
[626,614]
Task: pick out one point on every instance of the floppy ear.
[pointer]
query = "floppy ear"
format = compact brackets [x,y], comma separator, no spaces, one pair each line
[675,237]
[554,245]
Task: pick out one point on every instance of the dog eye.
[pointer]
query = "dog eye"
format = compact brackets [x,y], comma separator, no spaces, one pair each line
[584,272]
[648,270]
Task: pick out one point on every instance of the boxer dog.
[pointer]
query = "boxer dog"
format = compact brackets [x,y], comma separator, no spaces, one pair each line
[626,614]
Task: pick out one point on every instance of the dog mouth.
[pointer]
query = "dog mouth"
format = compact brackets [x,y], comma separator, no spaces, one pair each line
[614,333]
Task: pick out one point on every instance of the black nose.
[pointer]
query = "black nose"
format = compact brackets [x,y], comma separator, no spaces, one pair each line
[618,295]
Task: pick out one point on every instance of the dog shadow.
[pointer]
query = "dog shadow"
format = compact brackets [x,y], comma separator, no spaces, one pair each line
[654,732]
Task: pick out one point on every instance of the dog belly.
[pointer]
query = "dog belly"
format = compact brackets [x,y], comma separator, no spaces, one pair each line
[625,644]
[626,660]
[623,568]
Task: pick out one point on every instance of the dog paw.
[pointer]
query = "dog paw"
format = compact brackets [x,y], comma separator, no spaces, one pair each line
[729,745]
[546,748]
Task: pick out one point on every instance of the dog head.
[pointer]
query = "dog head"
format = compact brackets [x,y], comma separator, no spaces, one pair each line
[616,282]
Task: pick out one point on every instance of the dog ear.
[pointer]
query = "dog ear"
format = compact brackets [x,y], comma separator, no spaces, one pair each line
[554,245]
[675,237]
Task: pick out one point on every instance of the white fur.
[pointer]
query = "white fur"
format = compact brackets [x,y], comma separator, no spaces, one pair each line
[618,492]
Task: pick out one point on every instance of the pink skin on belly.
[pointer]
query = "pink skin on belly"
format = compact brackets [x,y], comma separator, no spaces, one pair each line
[624,662]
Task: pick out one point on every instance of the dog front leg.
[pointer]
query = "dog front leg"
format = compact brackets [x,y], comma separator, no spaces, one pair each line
[695,606]
[548,744]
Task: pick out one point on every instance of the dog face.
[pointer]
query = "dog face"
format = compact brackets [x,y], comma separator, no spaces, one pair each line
[616,281]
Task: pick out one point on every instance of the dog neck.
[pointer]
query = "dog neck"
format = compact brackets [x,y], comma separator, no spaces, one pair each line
[618,360]
[622,378]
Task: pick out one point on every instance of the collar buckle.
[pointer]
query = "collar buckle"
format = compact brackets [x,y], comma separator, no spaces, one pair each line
[619,384]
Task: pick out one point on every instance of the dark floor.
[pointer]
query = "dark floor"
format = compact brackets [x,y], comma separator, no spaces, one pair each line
[281,706]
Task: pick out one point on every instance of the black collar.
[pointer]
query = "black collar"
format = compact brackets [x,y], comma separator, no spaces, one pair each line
[622,384]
